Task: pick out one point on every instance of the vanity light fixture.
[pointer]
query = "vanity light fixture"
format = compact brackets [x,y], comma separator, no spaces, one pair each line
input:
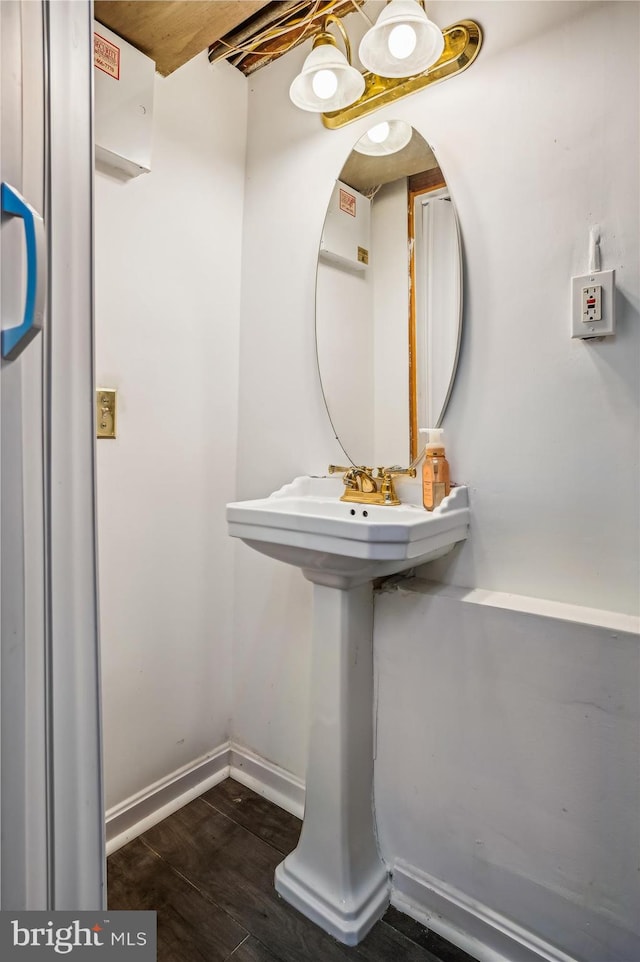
[327,80]
[386,138]
[403,51]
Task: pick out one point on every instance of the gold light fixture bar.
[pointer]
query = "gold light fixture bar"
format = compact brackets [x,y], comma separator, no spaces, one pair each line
[462,42]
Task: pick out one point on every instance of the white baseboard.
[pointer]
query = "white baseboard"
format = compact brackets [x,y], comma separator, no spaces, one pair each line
[269,780]
[472,926]
[135,815]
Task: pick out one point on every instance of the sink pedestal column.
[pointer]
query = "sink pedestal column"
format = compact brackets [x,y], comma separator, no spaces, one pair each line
[336,876]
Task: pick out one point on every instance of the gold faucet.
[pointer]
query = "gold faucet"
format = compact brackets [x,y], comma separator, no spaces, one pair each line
[362,486]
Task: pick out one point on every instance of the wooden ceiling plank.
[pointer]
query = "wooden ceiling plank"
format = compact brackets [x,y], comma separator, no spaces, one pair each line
[171,32]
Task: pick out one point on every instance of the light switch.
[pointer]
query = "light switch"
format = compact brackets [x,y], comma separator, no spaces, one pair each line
[106,412]
[592,304]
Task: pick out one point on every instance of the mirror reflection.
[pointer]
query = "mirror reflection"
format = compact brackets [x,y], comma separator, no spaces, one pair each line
[388,296]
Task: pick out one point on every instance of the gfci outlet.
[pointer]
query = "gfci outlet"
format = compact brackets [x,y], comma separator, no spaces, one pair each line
[592,304]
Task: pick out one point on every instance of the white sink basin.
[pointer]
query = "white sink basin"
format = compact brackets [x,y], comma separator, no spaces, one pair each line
[342,544]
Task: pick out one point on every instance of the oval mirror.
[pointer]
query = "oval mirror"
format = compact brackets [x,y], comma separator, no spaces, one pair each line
[388,297]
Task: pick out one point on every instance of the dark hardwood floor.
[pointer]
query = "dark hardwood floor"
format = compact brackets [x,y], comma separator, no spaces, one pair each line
[208,872]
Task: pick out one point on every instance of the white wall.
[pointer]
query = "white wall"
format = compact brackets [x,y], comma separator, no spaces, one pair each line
[541,160]
[167,315]
[538,141]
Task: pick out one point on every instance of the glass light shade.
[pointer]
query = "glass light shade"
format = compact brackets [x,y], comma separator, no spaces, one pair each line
[375,53]
[376,144]
[326,57]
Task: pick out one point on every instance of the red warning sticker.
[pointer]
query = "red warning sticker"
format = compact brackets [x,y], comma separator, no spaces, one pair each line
[106,56]
[347,202]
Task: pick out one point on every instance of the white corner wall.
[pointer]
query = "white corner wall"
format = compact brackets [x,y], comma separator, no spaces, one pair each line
[390,322]
[167,329]
[538,141]
[344,302]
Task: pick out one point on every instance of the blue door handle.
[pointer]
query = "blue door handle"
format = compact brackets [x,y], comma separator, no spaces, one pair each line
[13,340]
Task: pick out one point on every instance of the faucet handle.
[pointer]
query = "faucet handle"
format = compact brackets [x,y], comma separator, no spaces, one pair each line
[395,471]
[340,469]
[348,474]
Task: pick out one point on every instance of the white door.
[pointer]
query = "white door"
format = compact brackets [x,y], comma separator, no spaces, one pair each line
[52,851]
[438,302]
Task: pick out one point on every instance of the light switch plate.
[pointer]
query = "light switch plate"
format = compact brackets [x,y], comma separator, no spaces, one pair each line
[583,323]
[106,412]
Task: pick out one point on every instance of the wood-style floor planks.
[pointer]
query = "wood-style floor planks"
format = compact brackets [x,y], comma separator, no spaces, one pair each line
[252,951]
[439,948]
[190,928]
[384,942]
[260,817]
[235,870]
[208,871]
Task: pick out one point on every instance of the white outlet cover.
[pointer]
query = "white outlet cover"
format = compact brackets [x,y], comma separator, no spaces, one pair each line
[607,325]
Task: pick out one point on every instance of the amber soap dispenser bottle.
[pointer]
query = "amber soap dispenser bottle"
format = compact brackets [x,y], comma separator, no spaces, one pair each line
[436,483]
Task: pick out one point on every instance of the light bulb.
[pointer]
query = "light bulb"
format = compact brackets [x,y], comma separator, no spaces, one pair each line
[324,84]
[402,41]
[379,133]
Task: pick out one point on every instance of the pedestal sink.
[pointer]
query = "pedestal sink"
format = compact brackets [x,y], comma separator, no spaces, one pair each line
[336,876]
